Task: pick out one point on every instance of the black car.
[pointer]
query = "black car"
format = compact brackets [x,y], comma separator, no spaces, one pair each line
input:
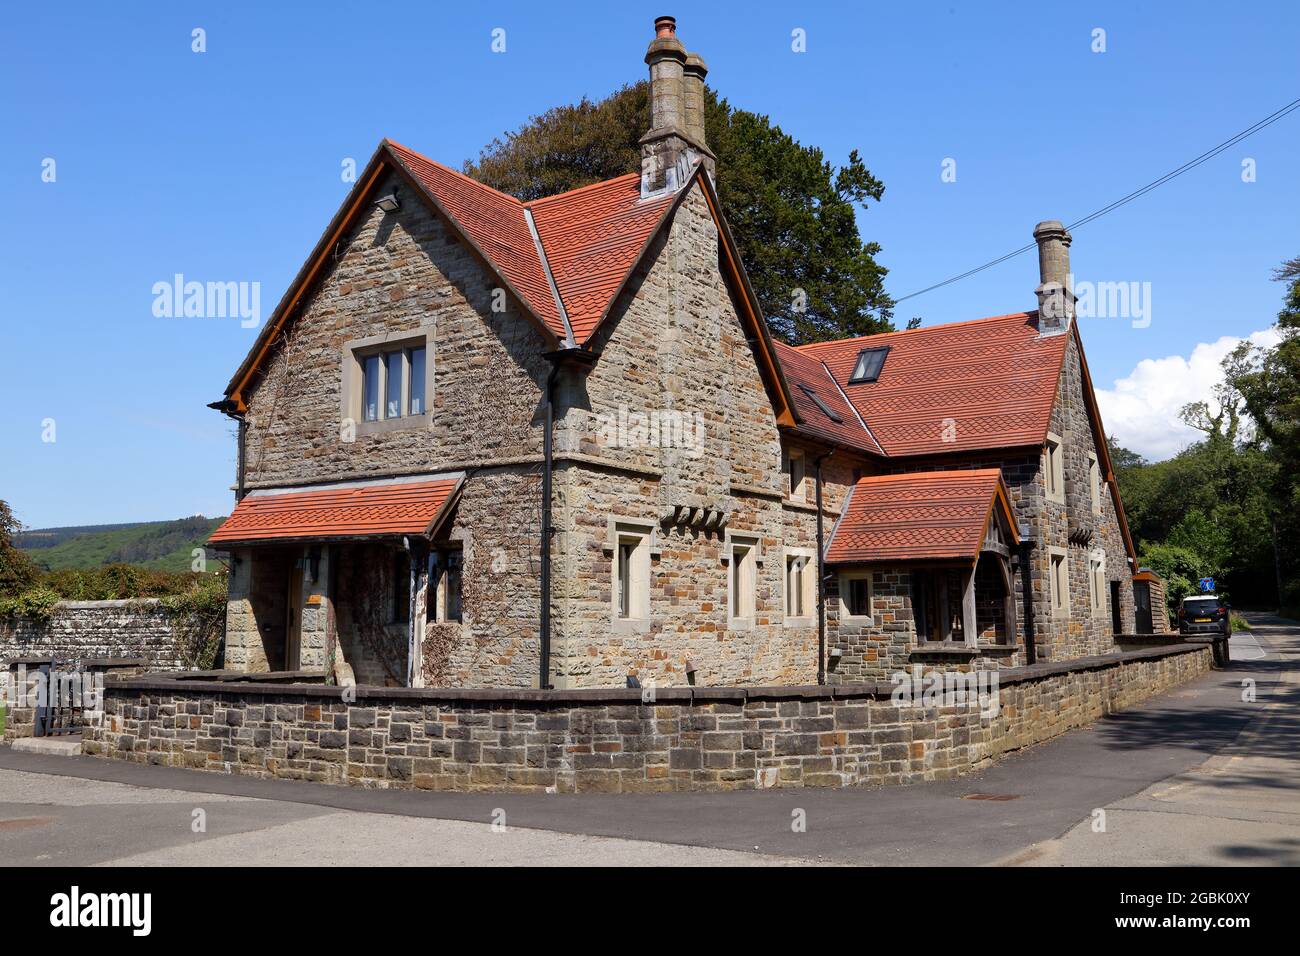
[1204,614]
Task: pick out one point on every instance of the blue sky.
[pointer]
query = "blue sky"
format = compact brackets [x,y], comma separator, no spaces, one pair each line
[225,166]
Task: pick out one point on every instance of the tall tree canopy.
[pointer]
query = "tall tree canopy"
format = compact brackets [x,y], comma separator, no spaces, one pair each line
[17,571]
[792,212]
[1229,505]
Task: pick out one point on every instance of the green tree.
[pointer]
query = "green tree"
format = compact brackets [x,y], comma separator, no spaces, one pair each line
[792,212]
[17,572]
[1180,568]
[1270,387]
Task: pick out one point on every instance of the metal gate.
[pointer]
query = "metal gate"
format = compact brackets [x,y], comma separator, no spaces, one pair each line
[60,712]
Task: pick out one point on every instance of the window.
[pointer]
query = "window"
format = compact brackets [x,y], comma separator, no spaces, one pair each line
[794,467]
[1054,468]
[1097,582]
[385,382]
[631,574]
[744,579]
[855,596]
[401,590]
[868,366]
[443,602]
[817,400]
[415,357]
[1059,580]
[800,583]
[395,375]
[370,388]
[1094,482]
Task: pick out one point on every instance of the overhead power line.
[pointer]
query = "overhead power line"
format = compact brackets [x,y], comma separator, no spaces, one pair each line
[1092,216]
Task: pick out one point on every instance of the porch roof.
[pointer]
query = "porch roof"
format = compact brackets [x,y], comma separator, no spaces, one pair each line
[348,511]
[920,516]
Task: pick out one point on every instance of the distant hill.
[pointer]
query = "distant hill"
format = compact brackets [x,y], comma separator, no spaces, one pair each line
[164,545]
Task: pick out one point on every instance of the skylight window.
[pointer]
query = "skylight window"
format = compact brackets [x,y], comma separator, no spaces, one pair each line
[869,364]
[826,409]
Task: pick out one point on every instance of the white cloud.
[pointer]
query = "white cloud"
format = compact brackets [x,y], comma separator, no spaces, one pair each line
[1141,411]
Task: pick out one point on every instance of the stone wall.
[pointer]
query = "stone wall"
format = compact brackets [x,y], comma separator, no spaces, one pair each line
[95,629]
[724,460]
[611,740]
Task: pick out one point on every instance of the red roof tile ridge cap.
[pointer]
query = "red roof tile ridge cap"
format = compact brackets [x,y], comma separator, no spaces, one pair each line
[455,172]
[925,328]
[578,189]
[967,473]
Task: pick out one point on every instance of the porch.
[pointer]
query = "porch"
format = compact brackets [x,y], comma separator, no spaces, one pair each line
[344,581]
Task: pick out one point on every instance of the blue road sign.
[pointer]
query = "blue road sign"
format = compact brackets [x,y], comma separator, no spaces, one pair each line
[1207,584]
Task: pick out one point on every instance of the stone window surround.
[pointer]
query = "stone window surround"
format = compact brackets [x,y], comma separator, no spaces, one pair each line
[1094,482]
[809,588]
[1054,468]
[755,544]
[618,526]
[794,491]
[1097,585]
[1059,609]
[350,393]
[859,619]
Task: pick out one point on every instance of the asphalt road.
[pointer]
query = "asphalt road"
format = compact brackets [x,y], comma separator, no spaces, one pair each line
[1196,775]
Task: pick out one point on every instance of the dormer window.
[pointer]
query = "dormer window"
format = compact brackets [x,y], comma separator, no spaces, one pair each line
[868,366]
[825,409]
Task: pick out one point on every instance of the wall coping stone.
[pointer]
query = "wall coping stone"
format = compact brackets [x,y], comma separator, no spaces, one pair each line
[185,683]
[102,605]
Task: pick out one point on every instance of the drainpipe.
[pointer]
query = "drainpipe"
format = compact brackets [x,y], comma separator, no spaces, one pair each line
[243,443]
[231,410]
[821,575]
[1027,598]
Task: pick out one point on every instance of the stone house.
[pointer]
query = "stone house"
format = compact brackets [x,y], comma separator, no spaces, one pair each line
[553,444]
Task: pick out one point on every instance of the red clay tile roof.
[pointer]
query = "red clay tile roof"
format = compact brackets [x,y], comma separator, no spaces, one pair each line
[496,224]
[801,372]
[920,516]
[592,238]
[381,509]
[967,386]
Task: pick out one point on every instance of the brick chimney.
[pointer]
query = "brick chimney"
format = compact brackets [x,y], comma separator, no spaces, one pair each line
[1055,299]
[675,141]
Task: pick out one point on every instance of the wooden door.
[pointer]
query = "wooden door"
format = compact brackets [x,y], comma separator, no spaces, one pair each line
[293,628]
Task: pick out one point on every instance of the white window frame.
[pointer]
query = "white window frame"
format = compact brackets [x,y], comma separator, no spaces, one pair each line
[1094,482]
[808,595]
[1059,581]
[747,549]
[1097,583]
[635,544]
[793,464]
[1054,468]
[352,391]
[846,617]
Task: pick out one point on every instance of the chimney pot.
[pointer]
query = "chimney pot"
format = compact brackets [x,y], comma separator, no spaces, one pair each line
[675,141]
[1055,298]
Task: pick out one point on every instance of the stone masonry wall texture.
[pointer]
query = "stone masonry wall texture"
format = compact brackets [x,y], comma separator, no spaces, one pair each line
[610,741]
[96,629]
